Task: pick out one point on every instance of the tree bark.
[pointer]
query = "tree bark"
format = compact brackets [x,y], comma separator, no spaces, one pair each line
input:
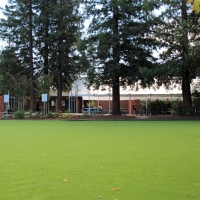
[116,97]
[59,94]
[116,59]
[186,93]
[31,73]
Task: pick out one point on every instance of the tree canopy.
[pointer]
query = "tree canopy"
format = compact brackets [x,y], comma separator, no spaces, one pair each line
[120,42]
[45,35]
[117,49]
[178,34]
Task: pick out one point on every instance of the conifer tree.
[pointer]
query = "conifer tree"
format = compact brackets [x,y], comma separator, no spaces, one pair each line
[179,35]
[45,35]
[58,33]
[119,43]
[17,29]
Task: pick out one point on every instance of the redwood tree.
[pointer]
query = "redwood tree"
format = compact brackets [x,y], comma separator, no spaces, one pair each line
[119,43]
[179,36]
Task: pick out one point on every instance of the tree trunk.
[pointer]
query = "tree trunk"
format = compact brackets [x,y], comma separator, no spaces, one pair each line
[187,102]
[46,46]
[59,99]
[116,59]
[116,97]
[32,95]
[186,93]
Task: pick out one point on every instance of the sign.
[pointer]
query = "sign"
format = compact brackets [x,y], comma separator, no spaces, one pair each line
[44,97]
[6,98]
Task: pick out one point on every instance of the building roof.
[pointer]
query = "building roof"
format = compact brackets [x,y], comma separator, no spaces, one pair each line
[105,93]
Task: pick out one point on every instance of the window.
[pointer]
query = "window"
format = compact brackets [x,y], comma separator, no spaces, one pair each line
[53,102]
[63,102]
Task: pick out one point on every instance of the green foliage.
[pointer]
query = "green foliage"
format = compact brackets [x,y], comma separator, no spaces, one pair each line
[30,113]
[178,108]
[58,113]
[68,114]
[178,35]
[159,107]
[117,45]
[43,84]
[196,101]
[85,114]
[50,114]
[10,71]
[49,29]
[19,114]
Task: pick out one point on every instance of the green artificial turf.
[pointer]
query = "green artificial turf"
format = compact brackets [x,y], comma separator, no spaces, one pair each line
[66,160]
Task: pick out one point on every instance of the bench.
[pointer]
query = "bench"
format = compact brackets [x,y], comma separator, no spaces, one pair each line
[97,112]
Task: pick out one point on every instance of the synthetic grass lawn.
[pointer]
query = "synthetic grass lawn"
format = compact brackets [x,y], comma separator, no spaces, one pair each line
[58,160]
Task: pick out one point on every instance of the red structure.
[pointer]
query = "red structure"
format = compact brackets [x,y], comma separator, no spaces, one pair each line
[1,104]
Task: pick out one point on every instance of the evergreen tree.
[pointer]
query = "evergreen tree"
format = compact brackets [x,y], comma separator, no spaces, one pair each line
[179,35]
[45,34]
[58,32]
[17,29]
[10,66]
[119,43]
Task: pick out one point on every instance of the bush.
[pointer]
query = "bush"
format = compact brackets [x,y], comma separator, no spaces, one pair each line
[159,107]
[19,114]
[50,114]
[85,114]
[68,114]
[178,108]
[196,101]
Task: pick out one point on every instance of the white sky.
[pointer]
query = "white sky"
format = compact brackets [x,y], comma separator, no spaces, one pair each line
[2,4]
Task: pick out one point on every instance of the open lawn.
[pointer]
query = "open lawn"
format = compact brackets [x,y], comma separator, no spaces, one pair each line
[88,160]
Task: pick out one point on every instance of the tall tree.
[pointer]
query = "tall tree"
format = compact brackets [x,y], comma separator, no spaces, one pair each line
[45,34]
[17,29]
[119,43]
[179,35]
[10,66]
[59,32]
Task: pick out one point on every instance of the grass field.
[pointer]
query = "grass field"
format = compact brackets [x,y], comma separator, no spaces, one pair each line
[72,160]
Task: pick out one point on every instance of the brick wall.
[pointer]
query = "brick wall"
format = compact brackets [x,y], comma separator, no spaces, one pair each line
[1,104]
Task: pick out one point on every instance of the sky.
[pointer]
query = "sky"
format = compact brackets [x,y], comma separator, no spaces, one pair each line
[2,4]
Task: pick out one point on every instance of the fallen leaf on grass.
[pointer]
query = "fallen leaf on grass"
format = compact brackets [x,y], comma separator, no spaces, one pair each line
[65,180]
[115,189]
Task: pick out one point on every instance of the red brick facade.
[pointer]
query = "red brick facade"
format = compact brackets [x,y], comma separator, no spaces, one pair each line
[1,104]
[106,105]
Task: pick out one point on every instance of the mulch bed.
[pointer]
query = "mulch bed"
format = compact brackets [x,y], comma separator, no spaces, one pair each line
[131,118]
[118,118]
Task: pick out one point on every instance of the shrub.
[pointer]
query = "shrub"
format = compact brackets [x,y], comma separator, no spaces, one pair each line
[159,107]
[19,114]
[58,113]
[68,114]
[50,114]
[85,114]
[178,108]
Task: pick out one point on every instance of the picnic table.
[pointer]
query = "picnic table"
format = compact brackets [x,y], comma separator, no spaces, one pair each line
[93,111]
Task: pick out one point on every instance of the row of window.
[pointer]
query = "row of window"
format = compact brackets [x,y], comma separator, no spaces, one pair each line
[53,102]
